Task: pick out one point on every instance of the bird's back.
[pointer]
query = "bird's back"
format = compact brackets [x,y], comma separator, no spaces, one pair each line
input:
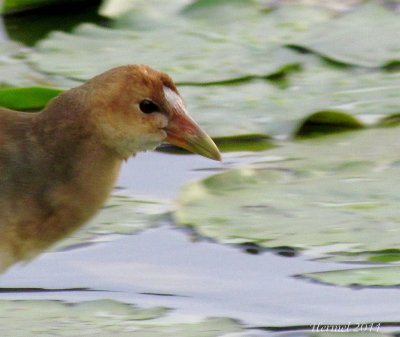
[49,184]
[17,178]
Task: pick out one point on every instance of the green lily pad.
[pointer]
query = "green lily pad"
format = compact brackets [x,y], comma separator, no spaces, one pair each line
[101,317]
[367,36]
[336,195]
[121,215]
[32,98]
[387,256]
[393,257]
[10,6]
[374,276]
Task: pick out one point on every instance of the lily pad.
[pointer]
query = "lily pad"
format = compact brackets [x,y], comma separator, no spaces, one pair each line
[368,96]
[101,317]
[317,95]
[258,107]
[188,56]
[318,99]
[333,195]
[387,256]
[32,98]
[367,36]
[10,6]
[197,46]
[364,277]
[14,71]
[251,21]
[117,8]
[121,215]
[254,107]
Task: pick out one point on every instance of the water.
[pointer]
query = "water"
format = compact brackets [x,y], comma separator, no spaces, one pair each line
[162,266]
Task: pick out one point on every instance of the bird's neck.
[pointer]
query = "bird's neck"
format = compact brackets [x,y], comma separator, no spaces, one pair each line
[76,171]
[64,133]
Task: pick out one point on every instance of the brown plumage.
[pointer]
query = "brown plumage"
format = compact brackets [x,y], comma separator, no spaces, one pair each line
[58,166]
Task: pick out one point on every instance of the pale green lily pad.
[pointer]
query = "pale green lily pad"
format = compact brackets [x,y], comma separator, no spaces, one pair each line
[251,21]
[189,49]
[364,277]
[337,5]
[347,98]
[254,107]
[117,8]
[316,99]
[258,107]
[101,318]
[121,215]
[186,55]
[318,95]
[13,70]
[337,195]
[367,37]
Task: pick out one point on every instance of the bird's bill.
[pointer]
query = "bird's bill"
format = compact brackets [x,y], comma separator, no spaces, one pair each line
[184,132]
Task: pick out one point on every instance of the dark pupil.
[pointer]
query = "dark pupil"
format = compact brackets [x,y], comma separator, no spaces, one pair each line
[148,106]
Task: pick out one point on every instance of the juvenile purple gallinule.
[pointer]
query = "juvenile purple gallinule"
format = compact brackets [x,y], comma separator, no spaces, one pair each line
[58,166]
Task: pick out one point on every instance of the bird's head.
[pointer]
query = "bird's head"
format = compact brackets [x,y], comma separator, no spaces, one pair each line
[136,108]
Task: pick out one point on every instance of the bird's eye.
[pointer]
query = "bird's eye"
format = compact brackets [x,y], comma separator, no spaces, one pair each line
[148,106]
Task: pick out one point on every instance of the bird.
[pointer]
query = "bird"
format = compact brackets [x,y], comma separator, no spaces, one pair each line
[59,165]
